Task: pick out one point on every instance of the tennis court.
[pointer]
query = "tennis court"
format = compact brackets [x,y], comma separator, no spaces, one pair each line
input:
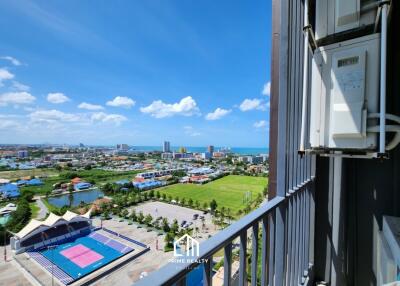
[86,254]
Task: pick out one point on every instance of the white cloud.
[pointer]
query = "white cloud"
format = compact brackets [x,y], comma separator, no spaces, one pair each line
[251,104]
[8,124]
[53,115]
[186,106]
[189,130]
[89,106]
[57,98]
[21,97]
[260,124]
[5,75]
[217,114]
[14,61]
[104,117]
[19,86]
[267,89]
[121,101]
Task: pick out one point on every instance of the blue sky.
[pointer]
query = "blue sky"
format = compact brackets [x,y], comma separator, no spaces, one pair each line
[137,72]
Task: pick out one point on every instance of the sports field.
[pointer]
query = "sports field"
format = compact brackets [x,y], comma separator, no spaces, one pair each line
[229,192]
[86,254]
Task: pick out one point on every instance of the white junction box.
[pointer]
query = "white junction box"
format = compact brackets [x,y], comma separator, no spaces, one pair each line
[344,90]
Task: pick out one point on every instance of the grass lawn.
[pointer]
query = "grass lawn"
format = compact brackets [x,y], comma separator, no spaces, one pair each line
[229,191]
[34,209]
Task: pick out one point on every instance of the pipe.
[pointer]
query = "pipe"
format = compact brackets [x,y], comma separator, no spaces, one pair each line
[388,116]
[390,128]
[382,133]
[305,82]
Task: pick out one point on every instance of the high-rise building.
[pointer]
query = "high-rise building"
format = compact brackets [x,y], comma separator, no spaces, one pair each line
[166,147]
[122,147]
[210,149]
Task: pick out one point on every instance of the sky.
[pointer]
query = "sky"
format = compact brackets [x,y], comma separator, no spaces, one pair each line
[138,72]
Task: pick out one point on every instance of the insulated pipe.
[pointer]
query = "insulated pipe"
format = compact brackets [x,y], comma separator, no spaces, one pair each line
[305,82]
[383,79]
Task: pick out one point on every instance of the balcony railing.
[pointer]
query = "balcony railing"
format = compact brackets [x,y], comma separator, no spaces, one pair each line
[286,246]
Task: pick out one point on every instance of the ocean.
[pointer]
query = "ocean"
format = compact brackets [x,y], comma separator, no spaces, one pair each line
[236,150]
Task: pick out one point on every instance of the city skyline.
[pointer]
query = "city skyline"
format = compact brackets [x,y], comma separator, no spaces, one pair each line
[75,81]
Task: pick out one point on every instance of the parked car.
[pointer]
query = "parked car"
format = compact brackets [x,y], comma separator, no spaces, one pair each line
[183,223]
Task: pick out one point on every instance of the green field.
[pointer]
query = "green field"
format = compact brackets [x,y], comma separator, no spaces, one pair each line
[229,191]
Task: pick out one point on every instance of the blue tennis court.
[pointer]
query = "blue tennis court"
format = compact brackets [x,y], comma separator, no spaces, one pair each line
[83,256]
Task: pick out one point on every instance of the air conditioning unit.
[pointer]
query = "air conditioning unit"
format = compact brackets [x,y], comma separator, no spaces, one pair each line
[347,15]
[344,91]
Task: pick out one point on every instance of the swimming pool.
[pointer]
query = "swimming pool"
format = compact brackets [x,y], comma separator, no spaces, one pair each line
[82,256]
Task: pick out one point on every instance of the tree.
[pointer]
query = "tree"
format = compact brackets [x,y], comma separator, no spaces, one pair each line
[151,194]
[148,219]
[176,199]
[20,217]
[133,215]
[145,196]
[169,240]
[107,189]
[190,202]
[140,217]
[169,197]
[125,213]
[175,226]
[165,225]
[197,204]
[158,195]
[205,205]
[28,195]
[213,205]
[164,197]
[183,201]
[106,214]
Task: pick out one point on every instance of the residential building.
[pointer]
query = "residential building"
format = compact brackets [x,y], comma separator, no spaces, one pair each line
[166,147]
[210,149]
[22,154]
[167,155]
[206,155]
[256,160]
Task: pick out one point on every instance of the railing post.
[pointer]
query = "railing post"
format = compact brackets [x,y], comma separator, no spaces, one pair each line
[254,256]
[227,264]
[207,274]
[280,244]
[264,252]
[243,258]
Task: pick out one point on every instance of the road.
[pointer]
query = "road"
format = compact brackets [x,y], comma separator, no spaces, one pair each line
[43,209]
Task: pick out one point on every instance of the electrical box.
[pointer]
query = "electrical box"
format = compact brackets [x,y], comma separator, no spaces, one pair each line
[344,90]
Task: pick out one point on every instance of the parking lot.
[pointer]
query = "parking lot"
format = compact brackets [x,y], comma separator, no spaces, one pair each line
[171,212]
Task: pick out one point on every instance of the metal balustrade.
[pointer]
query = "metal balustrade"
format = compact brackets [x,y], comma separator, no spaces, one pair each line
[285,256]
